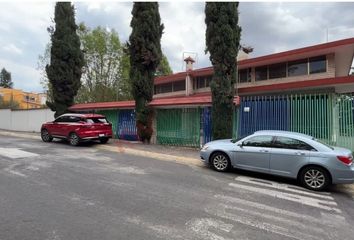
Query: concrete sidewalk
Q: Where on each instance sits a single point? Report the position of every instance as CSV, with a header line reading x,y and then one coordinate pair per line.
x,y
183,155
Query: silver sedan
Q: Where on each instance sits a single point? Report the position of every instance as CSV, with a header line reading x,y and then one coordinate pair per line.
x,y
289,154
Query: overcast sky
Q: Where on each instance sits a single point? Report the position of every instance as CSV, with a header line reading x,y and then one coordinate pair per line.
x,y
267,27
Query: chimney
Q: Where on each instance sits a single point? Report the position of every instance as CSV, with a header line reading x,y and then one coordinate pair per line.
x,y
189,63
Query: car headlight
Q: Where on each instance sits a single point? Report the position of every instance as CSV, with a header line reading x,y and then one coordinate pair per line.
x,y
204,148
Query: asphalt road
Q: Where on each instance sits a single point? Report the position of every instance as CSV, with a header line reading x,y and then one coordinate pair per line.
x,y
55,191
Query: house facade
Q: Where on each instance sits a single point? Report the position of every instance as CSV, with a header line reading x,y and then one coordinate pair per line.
x,y
308,90
325,66
22,100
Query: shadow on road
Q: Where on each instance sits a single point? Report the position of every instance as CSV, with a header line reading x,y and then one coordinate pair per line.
x,y
82,144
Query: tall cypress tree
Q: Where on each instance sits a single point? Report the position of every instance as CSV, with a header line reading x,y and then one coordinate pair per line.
x,y
5,79
222,41
66,59
145,55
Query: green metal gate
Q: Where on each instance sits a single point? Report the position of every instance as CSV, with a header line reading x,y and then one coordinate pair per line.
x,y
112,117
180,127
312,114
344,123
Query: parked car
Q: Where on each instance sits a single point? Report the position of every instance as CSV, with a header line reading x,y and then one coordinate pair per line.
x,y
77,128
316,165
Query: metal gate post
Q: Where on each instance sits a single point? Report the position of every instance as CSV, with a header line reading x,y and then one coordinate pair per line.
x,y
335,118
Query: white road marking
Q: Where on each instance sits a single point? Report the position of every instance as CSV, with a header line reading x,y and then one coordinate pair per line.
x,y
201,226
279,211
129,170
222,211
164,232
16,153
280,186
290,197
11,170
260,215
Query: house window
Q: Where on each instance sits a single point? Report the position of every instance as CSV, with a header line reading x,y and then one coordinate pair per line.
x,y
163,88
179,86
261,73
170,87
318,64
244,75
208,81
297,68
277,70
202,82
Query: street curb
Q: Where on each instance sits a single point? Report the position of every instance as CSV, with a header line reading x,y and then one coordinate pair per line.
x,y
121,149
159,156
15,134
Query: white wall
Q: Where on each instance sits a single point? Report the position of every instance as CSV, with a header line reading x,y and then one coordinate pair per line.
x,y
24,120
5,119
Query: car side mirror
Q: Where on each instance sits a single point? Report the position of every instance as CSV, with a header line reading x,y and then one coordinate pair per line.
x,y
240,144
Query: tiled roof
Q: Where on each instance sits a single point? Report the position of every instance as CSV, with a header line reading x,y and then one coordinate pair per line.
x,y
197,99
102,105
263,60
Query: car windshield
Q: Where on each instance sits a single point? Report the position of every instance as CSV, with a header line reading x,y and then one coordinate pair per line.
x,y
330,147
96,120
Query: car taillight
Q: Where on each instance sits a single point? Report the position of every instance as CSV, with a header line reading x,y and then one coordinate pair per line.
x,y
346,160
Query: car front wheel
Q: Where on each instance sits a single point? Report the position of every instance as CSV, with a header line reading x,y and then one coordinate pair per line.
x,y
46,137
220,162
74,139
315,178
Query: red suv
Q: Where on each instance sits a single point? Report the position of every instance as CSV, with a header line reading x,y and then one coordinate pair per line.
x,y
77,128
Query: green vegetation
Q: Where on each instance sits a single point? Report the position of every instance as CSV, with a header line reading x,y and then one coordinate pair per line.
x,y
66,59
5,79
222,41
145,56
42,62
105,76
164,67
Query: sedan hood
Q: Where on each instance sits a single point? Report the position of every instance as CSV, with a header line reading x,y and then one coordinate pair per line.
x,y
222,141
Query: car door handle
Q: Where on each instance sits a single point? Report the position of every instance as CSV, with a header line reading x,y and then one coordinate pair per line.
x,y
300,153
264,150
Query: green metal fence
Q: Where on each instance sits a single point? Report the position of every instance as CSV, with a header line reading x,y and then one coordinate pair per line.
x,y
344,121
112,116
180,127
235,125
312,114
326,116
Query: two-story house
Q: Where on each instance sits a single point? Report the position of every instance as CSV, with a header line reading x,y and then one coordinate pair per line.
x,y
323,67
308,90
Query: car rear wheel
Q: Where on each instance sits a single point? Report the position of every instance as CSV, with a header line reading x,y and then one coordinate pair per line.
x,y
315,178
104,140
74,139
46,137
220,162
